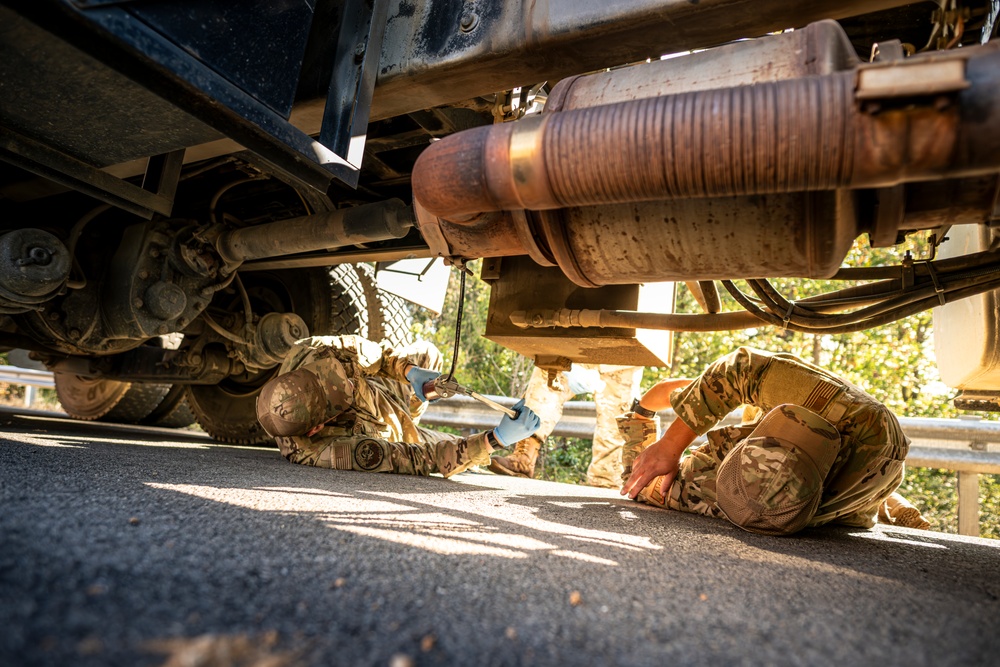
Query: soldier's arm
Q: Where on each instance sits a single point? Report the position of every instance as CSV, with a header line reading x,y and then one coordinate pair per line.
x,y
726,384
367,356
658,396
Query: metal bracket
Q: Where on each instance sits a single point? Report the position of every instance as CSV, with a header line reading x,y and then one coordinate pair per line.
x,y
909,78
155,196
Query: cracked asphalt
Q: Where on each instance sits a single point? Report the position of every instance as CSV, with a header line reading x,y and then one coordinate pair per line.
x,y
143,546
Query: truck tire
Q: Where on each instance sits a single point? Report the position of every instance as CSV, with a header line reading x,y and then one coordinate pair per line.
x,y
172,412
375,314
106,400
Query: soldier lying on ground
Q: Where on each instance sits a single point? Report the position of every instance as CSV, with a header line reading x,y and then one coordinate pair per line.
x,y
813,448
348,403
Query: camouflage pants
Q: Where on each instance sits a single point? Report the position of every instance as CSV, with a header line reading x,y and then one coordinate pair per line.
x,y
436,453
621,386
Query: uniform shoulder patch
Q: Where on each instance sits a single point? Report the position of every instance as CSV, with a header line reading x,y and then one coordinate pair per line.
x,y
821,395
368,454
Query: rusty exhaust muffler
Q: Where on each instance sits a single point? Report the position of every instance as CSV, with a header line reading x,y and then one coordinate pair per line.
x,y
632,191
857,129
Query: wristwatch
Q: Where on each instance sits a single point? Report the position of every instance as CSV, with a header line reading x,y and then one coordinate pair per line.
x,y
493,440
641,411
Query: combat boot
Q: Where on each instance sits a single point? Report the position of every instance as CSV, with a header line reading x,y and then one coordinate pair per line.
x,y
521,463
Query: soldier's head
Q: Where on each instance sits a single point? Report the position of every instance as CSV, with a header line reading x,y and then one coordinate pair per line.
x,y
301,401
772,481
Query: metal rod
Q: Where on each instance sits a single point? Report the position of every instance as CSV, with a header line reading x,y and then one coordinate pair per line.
x,y
340,257
627,319
493,404
380,221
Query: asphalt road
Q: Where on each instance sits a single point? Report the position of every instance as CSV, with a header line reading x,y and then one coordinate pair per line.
x,y
129,546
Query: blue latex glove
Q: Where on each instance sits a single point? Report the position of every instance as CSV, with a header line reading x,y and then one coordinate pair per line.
x,y
512,430
584,380
418,377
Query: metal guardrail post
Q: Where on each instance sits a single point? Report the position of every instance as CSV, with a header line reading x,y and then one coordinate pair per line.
x,y
968,503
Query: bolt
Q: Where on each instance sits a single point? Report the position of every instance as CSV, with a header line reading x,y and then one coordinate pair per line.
x,y
359,52
162,329
74,334
536,319
154,253
137,303
37,255
181,321
469,21
196,359
54,316
144,274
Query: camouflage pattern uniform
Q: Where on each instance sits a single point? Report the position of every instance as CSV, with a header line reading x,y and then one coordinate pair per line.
x,y
380,431
621,386
868,466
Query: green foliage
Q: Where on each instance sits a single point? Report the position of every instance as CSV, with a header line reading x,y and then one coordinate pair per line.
x,y
564,460
893,362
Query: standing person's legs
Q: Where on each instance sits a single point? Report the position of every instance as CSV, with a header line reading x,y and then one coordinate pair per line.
x,y
548,405
621,385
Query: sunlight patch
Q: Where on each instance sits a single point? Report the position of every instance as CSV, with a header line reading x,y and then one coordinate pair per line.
x,y
268,500
434,544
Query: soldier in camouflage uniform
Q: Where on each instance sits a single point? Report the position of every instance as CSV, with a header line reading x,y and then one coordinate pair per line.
x,y
621,384
812,449
348,403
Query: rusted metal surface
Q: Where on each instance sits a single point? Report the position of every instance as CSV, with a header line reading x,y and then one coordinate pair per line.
x,y
334,258
380,221
588,318
798,234
523,285
642,190
706,294
820,48
791,235
801,134
429,60
950,202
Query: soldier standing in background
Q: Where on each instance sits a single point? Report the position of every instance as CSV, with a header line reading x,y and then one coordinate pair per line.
x,y
612,395
348,403
812,449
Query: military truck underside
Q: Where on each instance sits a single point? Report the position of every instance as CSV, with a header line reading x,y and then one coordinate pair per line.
x,y
187,189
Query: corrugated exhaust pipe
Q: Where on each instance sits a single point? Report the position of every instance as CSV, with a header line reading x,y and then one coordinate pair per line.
x,y
926,117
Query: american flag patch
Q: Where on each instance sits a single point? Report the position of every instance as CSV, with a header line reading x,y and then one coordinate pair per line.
x,y
821,395
341,457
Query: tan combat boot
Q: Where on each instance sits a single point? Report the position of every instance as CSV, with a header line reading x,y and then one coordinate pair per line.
x,y
521,463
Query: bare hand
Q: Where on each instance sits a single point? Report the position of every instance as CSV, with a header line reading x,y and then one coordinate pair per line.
x,y
658,459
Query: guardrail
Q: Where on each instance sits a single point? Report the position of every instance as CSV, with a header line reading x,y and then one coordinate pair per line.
x,y
31,379
961,445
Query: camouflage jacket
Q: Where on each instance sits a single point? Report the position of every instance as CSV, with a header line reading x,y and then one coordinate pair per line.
x,y
869,463
380,432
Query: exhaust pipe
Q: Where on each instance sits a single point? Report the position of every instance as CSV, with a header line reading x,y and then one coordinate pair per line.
x,y
927,117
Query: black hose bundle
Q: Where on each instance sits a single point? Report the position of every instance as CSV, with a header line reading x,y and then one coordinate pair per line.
x,y
935,284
